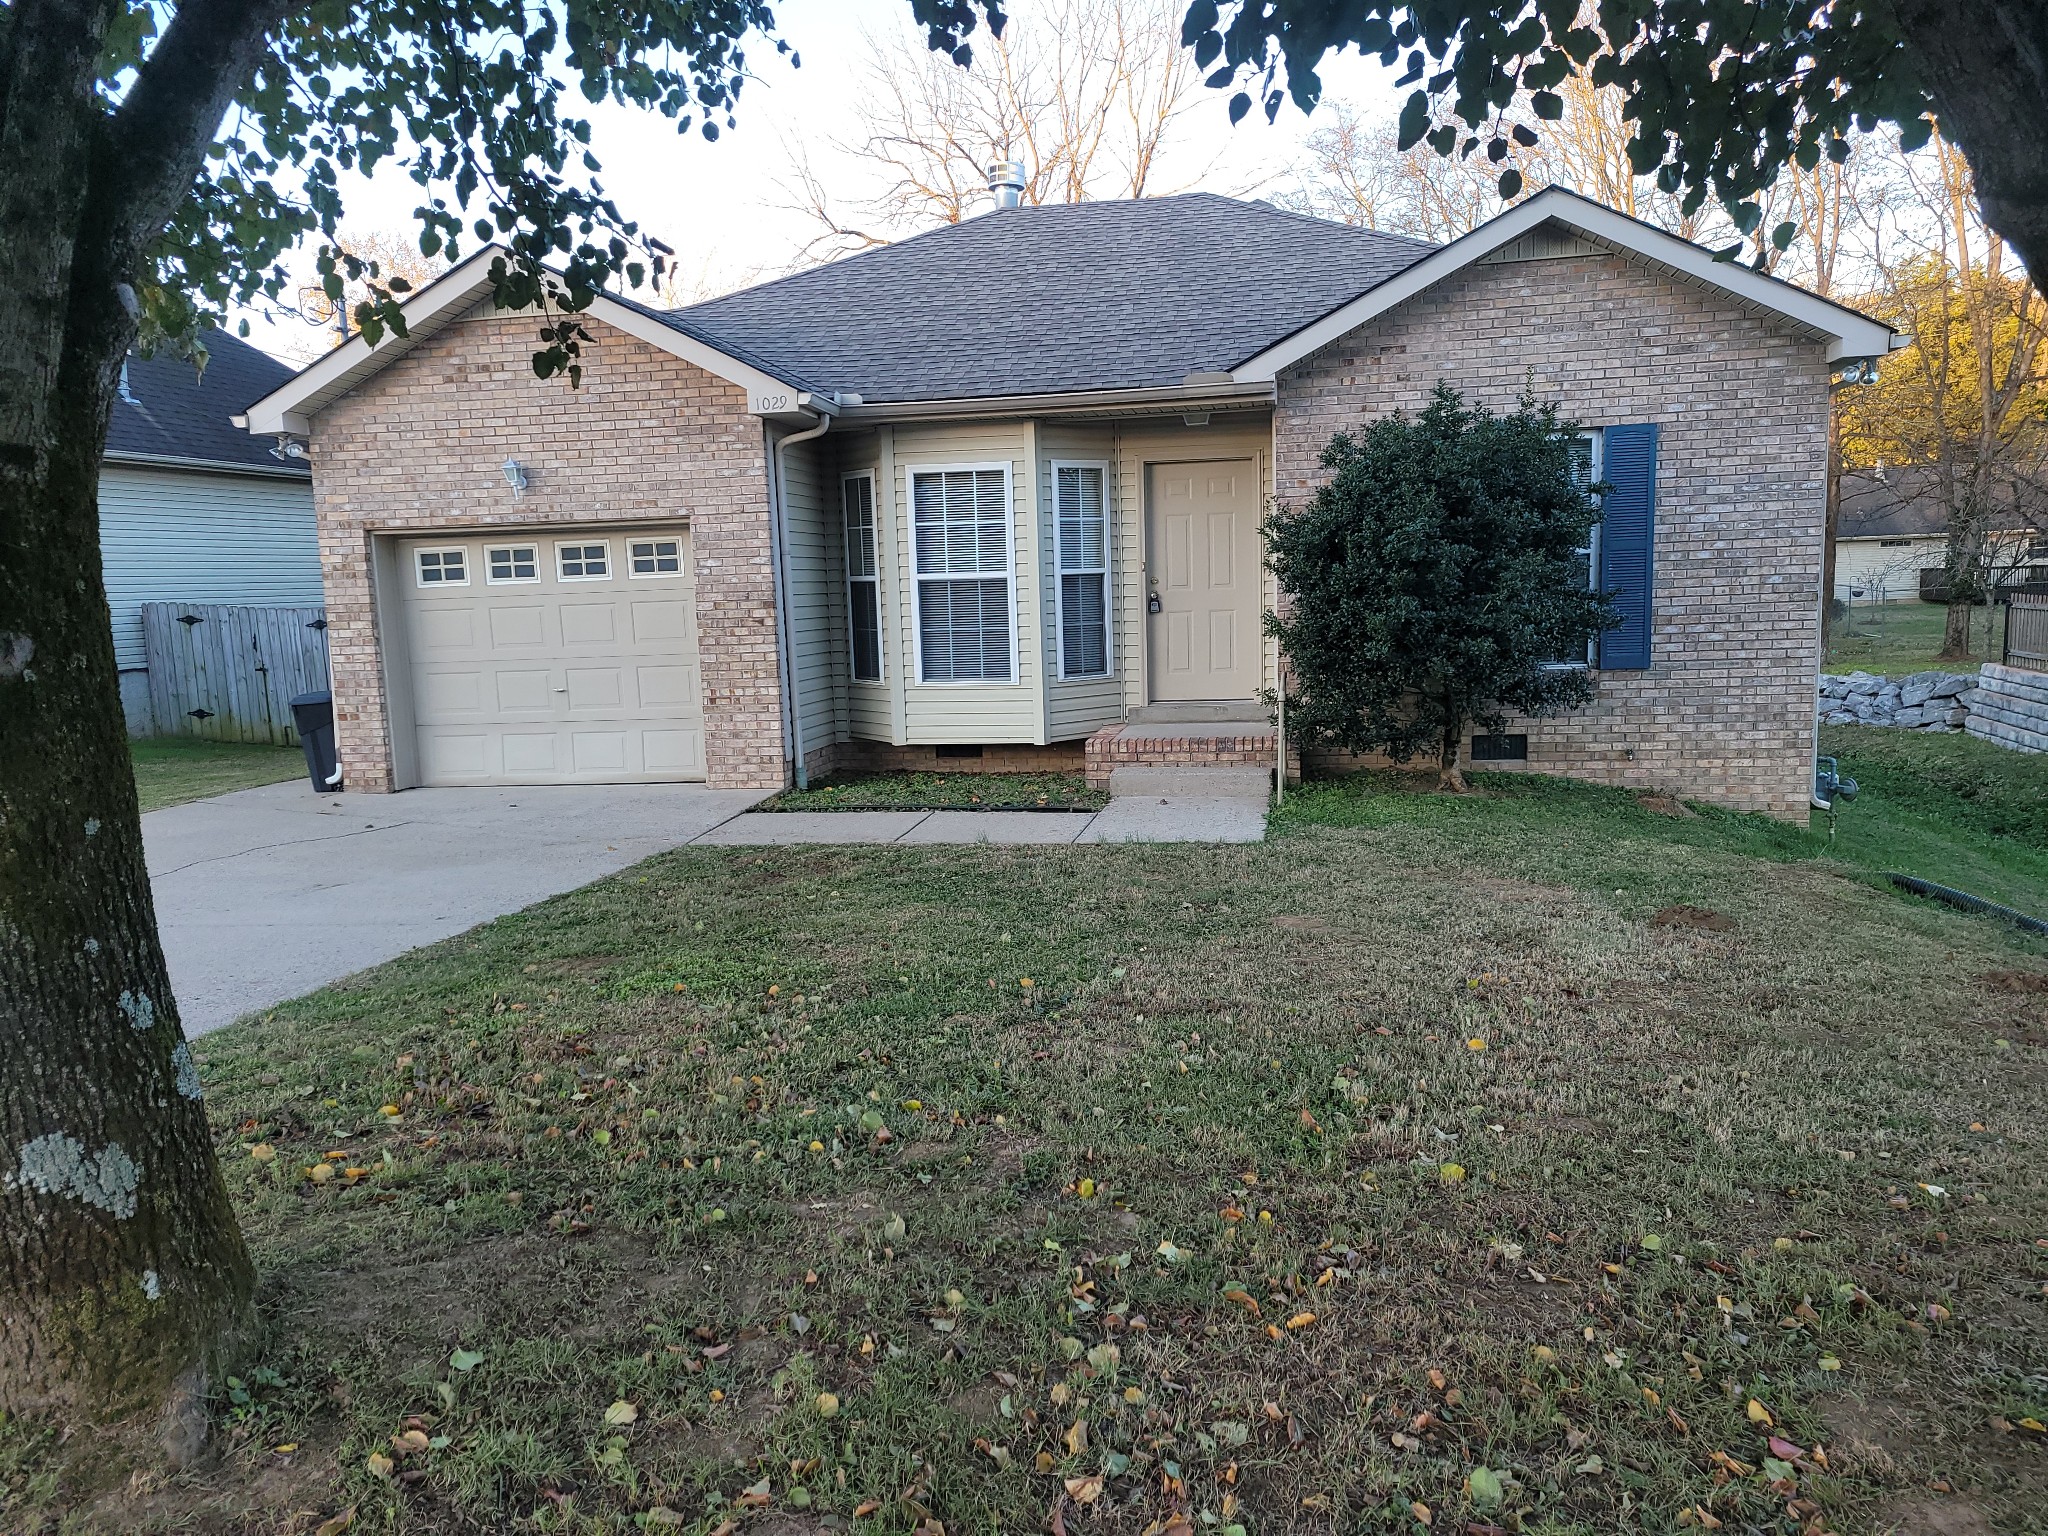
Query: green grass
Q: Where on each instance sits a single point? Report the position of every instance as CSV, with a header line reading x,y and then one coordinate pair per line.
x,y
1951,809
1227,1183
1894,639
944,791
170,770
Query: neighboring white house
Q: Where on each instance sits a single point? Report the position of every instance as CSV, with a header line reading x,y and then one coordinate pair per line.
x,y
1892,529
193,509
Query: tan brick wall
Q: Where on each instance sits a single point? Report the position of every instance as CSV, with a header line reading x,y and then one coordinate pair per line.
x,y
421,446
1725,711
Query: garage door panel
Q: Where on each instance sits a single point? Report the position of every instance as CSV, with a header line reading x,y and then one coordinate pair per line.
x,y
590,624
655,622
593,681
454,756
529,754
598,751
666,688
441,628
443,693
517,628
594,688
680,753
525,691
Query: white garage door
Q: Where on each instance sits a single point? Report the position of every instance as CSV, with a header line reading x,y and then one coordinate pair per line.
x,y
559,656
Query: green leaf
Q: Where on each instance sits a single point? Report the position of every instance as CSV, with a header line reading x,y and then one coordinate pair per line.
x,y
465,1360
1487,1492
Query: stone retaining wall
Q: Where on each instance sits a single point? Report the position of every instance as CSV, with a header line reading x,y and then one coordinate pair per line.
x,y
1926,701
2010,707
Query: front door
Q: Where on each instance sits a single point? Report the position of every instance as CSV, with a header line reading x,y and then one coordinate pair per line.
x,y
1202,580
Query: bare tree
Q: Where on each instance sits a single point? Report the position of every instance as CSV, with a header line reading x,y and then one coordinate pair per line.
x,y
365,260
1358,173
1967,400
1088,95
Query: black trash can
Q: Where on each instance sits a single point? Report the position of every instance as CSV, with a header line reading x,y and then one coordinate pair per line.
x,y
313,715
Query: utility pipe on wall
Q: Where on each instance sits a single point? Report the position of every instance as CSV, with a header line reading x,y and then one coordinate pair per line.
x,y
785,624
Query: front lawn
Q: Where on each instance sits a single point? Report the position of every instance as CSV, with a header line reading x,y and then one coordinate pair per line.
x,y
169,770
1532,1162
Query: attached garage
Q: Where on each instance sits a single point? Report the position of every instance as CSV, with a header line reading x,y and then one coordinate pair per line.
x,y
548,655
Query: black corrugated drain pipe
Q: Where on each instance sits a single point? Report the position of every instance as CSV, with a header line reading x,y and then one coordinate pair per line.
x,y
1965,901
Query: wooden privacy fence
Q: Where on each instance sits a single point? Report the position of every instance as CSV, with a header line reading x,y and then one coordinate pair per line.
x,y
229,673
2026,630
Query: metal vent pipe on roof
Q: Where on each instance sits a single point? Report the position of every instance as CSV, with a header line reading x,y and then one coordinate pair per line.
x,y
1006,182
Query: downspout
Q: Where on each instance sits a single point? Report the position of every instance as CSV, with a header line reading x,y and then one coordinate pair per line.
x,y
778,523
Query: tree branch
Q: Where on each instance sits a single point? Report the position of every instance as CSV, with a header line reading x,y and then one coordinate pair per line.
x,y
159,135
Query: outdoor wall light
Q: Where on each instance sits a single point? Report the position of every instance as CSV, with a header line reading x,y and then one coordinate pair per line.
x,y
515,476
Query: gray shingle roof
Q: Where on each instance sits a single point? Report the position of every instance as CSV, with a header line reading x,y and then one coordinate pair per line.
x,y
1081,296
176,413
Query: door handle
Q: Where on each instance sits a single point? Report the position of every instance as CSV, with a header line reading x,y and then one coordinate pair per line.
x,y
1152,603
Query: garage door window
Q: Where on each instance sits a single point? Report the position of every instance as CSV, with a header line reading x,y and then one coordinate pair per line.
x,y
442,567
655,557
511,564
583,562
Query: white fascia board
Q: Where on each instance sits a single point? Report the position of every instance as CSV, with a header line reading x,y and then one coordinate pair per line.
x,y
1849,334
766,394
290,408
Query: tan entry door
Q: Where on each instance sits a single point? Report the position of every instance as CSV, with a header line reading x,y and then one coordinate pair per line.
x,y
554,656
1202,578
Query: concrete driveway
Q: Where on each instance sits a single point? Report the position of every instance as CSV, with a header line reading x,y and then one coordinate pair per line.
x,y
268,893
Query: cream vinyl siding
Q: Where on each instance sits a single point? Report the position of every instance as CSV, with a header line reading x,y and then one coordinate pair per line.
x,y
1078,707
817,591
173,536
968,712
1238,435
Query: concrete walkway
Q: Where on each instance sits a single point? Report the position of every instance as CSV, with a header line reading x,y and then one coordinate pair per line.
x,y
265,894
1126,819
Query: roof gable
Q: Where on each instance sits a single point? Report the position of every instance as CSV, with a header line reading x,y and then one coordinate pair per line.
x,y
290,407
1848,333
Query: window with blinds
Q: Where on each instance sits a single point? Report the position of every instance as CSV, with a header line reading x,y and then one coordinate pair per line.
x,y
863,579
1586,468
1081,519
960,527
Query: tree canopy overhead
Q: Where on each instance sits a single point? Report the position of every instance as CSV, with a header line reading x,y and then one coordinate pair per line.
x,y
483,103
1723,93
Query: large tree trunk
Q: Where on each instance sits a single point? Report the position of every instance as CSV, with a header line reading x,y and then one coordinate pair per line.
x,y
1985,62
123,1276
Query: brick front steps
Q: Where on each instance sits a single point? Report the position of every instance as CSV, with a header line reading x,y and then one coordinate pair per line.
x,y
1230,744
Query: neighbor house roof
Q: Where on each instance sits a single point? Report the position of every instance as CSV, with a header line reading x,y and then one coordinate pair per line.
x,y
1905,503
169,412
1056,299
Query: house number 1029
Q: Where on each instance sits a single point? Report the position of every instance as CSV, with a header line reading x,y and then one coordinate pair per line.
x,y
772,403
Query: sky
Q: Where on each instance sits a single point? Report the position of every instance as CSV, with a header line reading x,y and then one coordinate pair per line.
x,y
719,205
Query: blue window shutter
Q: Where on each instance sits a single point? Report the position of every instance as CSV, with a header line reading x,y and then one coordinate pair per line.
x,y
1628,538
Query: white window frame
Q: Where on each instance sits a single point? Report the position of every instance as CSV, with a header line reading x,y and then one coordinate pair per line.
x,y
512,581
609,568
419,581
1595,469
918,579
682,563
1107,571
881,614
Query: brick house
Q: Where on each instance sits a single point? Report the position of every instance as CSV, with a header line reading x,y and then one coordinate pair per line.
x,y
991,498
